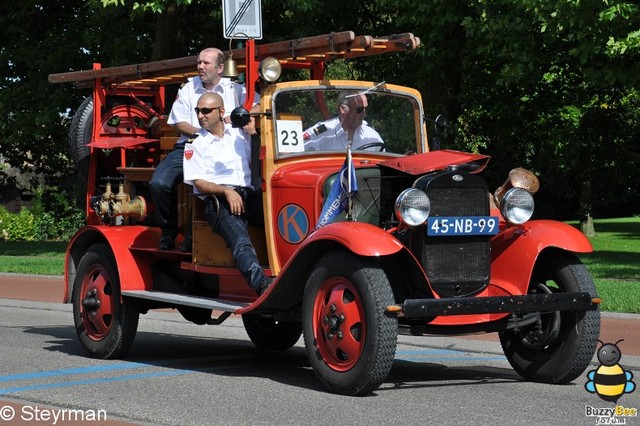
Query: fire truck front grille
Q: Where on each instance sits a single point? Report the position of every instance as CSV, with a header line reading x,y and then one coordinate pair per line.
x,y
457,265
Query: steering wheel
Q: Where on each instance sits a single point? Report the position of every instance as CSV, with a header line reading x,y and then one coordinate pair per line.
x,y
371,145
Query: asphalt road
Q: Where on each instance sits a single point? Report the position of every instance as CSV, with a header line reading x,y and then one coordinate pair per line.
x,y
178,373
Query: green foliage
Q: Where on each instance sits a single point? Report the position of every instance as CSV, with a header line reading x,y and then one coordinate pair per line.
x,y
158,6
17,227
40,38
542,90
544,84
36,224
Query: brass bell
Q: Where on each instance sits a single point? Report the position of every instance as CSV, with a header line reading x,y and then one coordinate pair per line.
x,y
230,69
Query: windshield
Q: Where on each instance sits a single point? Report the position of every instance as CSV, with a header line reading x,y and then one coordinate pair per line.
x,y
319,120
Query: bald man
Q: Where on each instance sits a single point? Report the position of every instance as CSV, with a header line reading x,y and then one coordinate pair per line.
x,y
216,163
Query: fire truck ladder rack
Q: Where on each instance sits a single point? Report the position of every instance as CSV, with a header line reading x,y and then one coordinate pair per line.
x,y
298,53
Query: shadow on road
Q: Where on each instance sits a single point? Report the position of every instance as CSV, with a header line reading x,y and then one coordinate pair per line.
x,y
239,358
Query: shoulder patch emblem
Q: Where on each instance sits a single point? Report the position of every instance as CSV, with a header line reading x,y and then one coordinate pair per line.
x,y
188,153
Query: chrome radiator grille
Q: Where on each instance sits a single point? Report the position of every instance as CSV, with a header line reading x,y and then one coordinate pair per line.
x,y
457,266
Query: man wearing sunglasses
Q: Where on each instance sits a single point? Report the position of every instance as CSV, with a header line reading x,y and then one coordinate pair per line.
x,y
348,125
168,173
216,163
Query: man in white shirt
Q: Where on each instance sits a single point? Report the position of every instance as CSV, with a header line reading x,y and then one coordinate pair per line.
x,y
349,125
168,173
216,163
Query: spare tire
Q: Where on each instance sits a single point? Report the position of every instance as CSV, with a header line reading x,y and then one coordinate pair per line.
x,y
80,136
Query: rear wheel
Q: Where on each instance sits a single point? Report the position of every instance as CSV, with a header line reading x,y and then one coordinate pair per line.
x,y
105,323
350,341
560,346
267,333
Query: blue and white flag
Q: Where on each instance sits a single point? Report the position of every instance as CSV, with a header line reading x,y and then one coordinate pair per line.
x,y
342,190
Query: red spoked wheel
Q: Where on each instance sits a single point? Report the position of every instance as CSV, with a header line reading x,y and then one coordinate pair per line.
x,y
105,324
96,308
349,338
339,323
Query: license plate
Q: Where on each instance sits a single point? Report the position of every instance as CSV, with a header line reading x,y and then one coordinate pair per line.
x,y
451,226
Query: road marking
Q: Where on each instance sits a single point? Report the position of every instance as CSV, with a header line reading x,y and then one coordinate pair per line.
x,y
444,355
424,355
92,381
64,373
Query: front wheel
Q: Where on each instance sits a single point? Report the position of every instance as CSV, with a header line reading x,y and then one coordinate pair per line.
x,y
350,341
106,325
560,346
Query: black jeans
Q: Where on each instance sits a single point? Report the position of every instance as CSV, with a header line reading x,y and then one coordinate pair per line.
x,y
233,230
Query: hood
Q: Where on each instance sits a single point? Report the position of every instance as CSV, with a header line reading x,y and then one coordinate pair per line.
x,y
419,164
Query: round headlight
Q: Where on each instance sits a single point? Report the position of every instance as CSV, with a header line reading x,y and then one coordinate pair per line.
x,y
270,69
412,207
517,206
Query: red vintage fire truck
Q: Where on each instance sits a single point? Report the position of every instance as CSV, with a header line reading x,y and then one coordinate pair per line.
x,y
425,247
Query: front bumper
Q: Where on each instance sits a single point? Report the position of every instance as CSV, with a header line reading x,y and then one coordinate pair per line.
x,y
430,308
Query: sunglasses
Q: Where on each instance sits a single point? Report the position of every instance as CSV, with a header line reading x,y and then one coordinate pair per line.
x,y
360,109
205,111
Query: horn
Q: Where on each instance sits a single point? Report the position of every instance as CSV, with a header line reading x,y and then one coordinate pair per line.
x,y
518,178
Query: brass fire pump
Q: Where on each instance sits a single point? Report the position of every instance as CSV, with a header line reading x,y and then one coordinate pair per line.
x,y
119,208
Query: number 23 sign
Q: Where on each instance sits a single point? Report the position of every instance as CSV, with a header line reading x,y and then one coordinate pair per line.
x,y
290,136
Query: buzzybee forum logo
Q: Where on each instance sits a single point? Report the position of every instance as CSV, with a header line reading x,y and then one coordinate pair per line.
x,y
610,381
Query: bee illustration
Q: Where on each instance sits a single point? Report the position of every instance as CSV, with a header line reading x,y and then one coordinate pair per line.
x,y
609,380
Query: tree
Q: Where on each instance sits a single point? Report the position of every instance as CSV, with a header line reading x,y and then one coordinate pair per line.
x,y
552,86
39,38
555,75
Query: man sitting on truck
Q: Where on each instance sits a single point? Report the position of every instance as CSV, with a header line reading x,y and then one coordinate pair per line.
x,y
168,173
348,125
216,163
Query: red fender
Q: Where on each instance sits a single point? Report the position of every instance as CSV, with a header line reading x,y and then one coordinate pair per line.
x,y
361,238
514,251
133,271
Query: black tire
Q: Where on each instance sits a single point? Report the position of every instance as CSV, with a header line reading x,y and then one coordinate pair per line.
x,y
106,326
560,347
350,340
269,334
80,135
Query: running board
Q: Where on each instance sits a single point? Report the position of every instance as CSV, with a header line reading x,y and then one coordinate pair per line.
x,y
185,300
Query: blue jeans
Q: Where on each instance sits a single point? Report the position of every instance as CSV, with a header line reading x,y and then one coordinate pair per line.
x,y
233,230
166,176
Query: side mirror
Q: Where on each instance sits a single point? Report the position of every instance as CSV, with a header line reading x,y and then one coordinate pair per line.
x,y
441,124
240,117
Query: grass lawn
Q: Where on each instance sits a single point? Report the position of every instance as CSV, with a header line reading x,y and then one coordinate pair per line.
x,y
32,257
614,264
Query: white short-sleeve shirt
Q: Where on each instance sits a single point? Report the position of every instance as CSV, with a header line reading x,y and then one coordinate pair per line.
x,y
224,161
183,109
335,138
